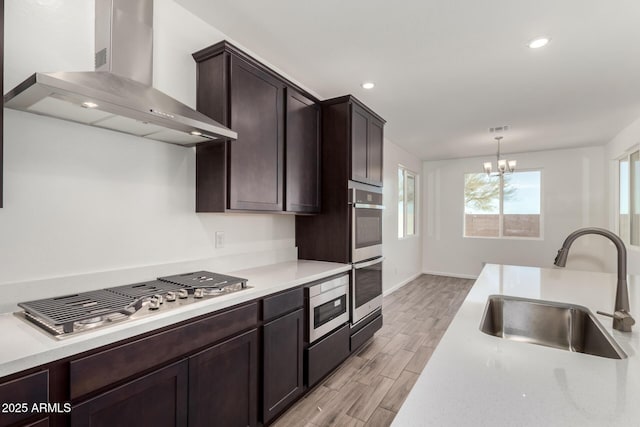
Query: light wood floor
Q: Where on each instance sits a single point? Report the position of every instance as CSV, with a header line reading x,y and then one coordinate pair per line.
x,y
370,386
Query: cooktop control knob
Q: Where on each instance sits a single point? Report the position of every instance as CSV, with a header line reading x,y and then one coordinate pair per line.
x,y
199,293
159,298
154,304
170,296
182,293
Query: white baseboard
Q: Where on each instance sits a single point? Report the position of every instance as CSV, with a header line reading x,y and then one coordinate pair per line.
x,y
459,276
401,284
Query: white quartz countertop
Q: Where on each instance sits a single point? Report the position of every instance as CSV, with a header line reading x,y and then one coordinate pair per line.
x,y
474,379
26,346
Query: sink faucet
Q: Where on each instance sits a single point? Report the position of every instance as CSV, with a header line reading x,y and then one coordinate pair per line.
x,y
622,320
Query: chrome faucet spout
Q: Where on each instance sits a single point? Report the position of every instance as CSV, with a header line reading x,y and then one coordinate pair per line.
x,y
622,319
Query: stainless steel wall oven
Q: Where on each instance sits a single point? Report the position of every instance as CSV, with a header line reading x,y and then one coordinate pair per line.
x,y
366,224
366,289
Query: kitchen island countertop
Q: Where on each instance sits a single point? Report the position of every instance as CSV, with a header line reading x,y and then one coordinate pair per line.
x,y
26,346
474,379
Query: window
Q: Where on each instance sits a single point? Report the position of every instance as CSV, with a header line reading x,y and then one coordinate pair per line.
x,y
406,202
629,200
502,206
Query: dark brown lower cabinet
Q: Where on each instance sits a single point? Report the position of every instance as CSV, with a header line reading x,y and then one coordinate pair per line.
x,y
27,390
157,399
214,370
325,355
223,383
282,363
42,423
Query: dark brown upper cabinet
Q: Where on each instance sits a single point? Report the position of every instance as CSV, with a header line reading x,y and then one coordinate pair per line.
x,y
374,152
352,143
302,153
269,113
366,140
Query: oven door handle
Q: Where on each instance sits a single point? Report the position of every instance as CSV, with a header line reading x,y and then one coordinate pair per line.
x,y
368,263
365,206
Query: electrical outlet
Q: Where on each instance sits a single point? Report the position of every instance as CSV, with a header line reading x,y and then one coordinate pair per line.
x,y
219,239
499,129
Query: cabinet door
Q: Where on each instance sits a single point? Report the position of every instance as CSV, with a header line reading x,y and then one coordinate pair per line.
x,y
41,423
302,153
158,399
223,383
282,363
374,152
29,389
256,158
359,137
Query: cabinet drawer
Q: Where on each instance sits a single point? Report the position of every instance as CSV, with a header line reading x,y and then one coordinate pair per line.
x,y
30,389
364,334
324,356
282,303
93,372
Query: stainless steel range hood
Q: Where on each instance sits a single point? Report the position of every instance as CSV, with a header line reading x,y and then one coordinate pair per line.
x,y
118,95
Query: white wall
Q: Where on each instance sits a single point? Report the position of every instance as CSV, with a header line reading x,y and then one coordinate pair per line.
x,y
628,139
574,196
403,257
80,199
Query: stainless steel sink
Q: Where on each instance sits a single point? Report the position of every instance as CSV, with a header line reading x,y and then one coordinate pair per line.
x,y
565,326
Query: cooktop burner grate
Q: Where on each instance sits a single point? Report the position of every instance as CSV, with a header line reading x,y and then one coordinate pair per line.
x,y
205,280
146,289
68,309
70,314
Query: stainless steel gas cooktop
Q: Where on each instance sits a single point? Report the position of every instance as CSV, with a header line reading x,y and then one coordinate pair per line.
x,y
69,315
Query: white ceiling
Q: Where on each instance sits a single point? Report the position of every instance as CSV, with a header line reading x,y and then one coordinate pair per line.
x,y
446,70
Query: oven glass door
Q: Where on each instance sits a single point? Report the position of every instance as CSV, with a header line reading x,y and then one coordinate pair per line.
x,y
368,227
328,311
367,288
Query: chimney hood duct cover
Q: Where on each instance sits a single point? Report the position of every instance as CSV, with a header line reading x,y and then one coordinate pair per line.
x,y
118,95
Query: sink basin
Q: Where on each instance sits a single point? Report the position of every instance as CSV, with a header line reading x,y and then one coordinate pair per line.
x,y
565,326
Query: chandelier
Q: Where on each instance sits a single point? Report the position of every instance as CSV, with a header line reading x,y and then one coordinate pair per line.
x,y
504,166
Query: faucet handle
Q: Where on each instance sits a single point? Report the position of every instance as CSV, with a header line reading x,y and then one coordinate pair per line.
x,y
625,318
622,319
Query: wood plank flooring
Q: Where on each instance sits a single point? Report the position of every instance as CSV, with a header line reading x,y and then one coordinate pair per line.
x,y
370,386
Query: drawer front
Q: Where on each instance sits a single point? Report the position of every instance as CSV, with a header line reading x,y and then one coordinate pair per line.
x,y
364,334
93,372
30,389
282,303
325,355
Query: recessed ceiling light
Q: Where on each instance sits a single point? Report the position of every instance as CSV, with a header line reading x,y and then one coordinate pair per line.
x,y
539,42
195,133
89,104
368,85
